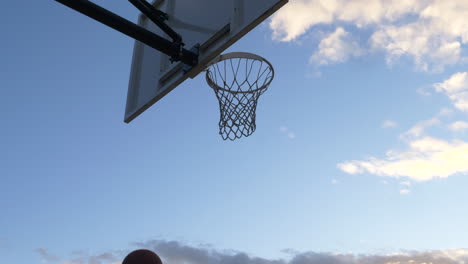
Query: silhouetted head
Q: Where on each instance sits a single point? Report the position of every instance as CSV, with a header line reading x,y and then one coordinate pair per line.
x,y
142,256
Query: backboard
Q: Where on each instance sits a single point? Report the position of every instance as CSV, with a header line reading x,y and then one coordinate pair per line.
x,y
210,25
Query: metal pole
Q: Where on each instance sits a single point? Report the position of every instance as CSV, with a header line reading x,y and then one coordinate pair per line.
x,y
154,14
132,30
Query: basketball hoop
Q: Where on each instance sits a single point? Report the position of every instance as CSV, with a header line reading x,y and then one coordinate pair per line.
x,y
238,79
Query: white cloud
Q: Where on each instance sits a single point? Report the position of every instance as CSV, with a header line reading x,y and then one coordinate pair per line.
x,y
336,47
290,134
298,16
350,168
458,126
456,88
425,159
430,32
419,41
424,91
405,183
405,191
444,112
334,181
389,124
420,127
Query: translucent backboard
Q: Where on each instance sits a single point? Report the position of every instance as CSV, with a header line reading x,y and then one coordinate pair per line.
x,y
210,25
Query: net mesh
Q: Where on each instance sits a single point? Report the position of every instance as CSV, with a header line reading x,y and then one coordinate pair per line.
x,y
238,82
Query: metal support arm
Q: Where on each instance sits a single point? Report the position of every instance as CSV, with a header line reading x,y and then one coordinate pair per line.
x,y
158,17
132,30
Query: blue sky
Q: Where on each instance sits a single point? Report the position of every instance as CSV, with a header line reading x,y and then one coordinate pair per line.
x,y
361,144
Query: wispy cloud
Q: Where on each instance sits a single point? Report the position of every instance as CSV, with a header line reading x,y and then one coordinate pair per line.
x,y
405,187
405,183
405,191
424,91
456,88
458,126
288,132
46,256
420,127
389,124
433,38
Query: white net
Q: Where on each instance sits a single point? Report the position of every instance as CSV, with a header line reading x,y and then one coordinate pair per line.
x,y
238,79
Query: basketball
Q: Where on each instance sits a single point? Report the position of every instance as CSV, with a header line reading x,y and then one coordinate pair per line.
x,y
142,256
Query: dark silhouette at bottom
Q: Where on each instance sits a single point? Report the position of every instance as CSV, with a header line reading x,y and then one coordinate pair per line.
x,y
142,256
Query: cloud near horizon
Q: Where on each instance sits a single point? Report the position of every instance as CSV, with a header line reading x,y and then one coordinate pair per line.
x,y
173,252
430,32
